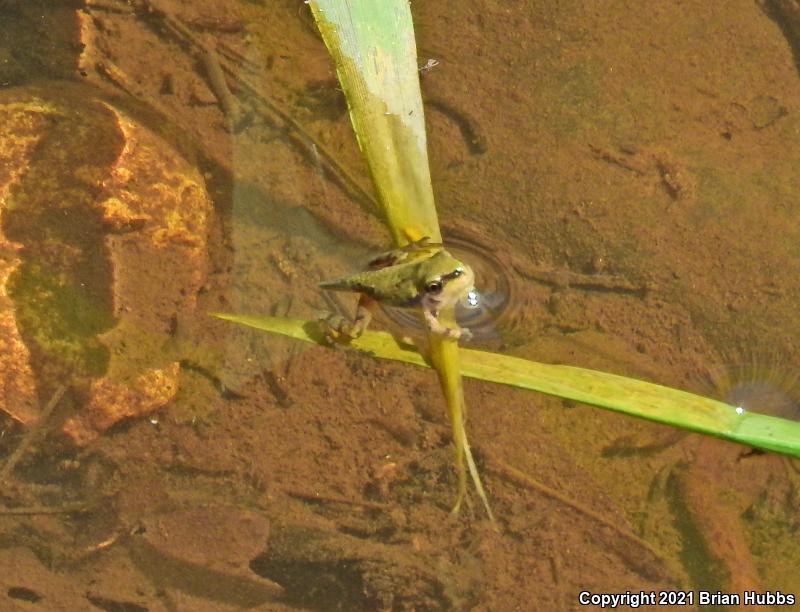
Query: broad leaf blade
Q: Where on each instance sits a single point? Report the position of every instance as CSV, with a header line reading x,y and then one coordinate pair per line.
x,y
372,44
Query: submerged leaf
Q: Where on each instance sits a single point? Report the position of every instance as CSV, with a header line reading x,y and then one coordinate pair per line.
x,y
372,45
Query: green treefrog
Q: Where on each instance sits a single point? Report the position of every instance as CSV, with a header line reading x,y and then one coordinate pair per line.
x,y
421,274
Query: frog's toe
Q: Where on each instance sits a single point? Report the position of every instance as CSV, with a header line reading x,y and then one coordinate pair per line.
x,y
460,334
338,329
331,325
457,333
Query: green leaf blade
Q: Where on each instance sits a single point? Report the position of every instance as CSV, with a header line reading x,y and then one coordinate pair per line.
x,y
609,391
373,47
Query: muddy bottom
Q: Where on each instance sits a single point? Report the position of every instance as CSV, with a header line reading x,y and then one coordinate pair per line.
x,y
630,176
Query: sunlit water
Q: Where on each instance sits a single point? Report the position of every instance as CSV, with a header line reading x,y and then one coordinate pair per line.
x,y
633,176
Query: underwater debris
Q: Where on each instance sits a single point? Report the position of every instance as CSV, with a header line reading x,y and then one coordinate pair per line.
x,y
658,165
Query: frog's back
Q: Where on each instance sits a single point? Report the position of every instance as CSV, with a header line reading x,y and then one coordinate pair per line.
x,y
387,285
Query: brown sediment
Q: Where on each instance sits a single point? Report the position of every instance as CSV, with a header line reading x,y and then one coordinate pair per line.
x,y
655,565
614,271
719,528
31,436
333,499
787,14
314,152
471,130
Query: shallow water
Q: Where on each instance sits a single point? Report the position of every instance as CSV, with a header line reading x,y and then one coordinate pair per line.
x,y
628,174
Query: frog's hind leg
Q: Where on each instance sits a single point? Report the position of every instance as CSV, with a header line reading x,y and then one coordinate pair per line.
x,y
364,311
339,329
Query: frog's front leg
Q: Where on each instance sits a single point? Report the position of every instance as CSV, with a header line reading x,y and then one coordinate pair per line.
x,y
435,326
339,329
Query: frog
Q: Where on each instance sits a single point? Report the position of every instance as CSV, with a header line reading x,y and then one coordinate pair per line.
x,y
422,274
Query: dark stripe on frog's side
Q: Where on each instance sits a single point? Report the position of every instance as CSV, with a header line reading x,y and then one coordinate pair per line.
x,y
454,274
398,256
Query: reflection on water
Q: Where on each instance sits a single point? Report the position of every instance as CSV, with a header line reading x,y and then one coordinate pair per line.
x,y
759,383
631,201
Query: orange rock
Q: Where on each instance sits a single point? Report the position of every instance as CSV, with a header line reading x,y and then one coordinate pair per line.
x,y
111,401
144,242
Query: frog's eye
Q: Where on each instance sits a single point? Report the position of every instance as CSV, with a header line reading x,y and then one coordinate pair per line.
x,y
435,286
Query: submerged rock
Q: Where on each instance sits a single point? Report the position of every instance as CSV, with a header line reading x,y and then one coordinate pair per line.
x,y
206,552
103,233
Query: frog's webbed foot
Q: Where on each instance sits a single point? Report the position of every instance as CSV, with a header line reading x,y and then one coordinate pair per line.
x,y
435,326
464,334
458,333
339,329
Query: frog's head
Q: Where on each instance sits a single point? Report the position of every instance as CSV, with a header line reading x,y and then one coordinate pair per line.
x,y
446,280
